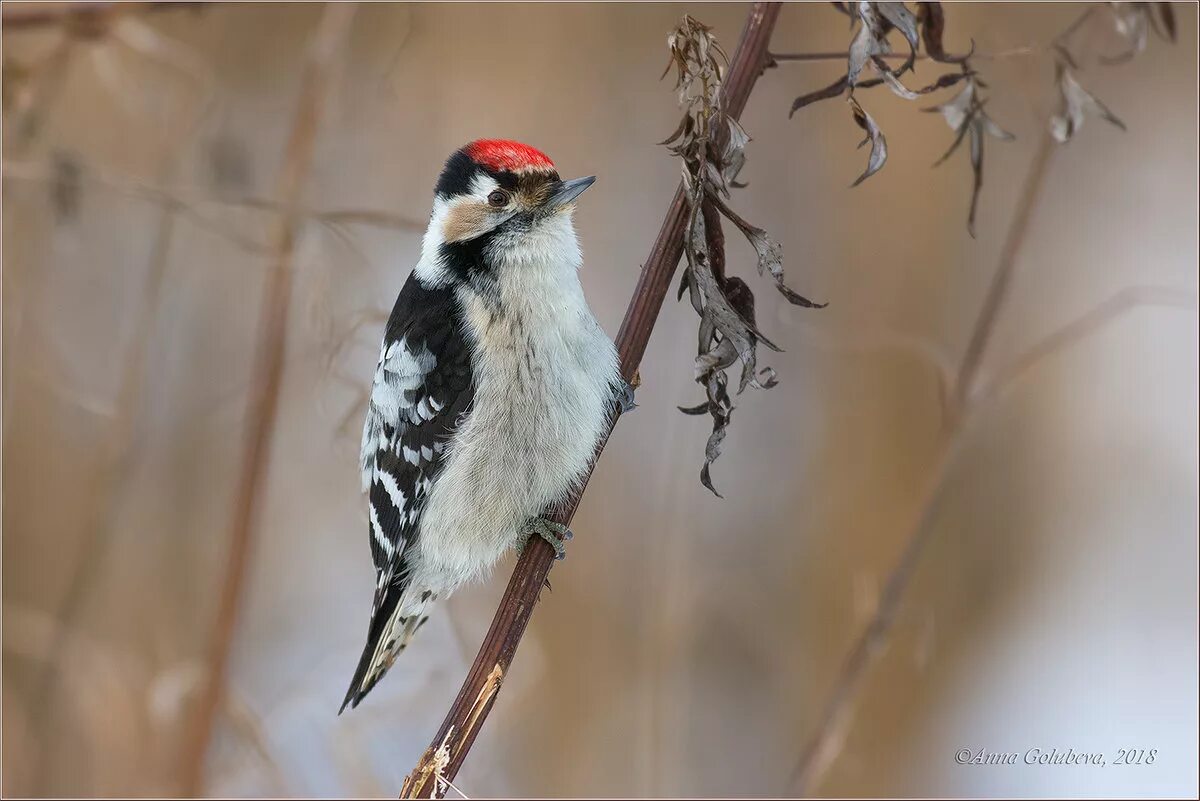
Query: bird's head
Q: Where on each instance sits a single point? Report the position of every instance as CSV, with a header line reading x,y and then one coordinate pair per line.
x,y
500,202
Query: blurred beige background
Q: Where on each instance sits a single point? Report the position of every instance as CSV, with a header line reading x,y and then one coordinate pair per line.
x,y
689,642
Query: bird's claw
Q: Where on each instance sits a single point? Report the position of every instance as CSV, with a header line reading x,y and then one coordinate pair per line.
x,y
626,398
554,533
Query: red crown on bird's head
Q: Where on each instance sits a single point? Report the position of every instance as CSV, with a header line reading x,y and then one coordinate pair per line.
x,y
501,155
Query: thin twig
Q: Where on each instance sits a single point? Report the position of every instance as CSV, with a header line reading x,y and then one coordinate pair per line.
x,y
997,294
188,200
1066,34
840,55
441,761
834,55
1123,301
834,723
267,373
41,15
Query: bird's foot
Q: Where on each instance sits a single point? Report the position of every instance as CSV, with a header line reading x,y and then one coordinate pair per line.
x,y
554,533
625,394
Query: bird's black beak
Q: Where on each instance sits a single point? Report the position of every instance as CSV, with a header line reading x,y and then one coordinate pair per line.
x,y
566,191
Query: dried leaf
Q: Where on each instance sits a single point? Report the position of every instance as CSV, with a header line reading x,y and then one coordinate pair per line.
x,y
683,285
844,8
875,136
715,178
956,109
1077,103
965,114
717,309
1132,23
990,127
959,136
734,157
977,173
711,374
871,40
720,357
726,330
833,90
946,81
898,88
933,25
862,47
683,126
1168,19
770,258
899,15
711,451
893,82
694,410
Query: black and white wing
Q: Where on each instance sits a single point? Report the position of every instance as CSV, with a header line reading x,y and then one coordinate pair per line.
x,y
422,389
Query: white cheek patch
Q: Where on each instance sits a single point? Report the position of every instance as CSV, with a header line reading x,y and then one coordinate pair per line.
x,y
463,216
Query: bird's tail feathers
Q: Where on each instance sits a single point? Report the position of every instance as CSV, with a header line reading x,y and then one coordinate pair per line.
x,y
396,618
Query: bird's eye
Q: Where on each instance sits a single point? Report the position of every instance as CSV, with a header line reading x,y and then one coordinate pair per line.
x,y
498,198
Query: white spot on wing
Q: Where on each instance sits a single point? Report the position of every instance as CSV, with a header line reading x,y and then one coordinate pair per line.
x,y
380,537
400,369
393,489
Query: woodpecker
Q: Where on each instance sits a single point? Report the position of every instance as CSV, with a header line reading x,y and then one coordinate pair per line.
x,y
492,390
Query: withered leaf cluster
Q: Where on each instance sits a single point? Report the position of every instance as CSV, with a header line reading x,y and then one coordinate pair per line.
x,y
1131,23
872,24
867,66
1076,103
965,115
711,147
1133,20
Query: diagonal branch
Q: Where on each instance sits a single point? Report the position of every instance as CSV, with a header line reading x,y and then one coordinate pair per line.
x,y
441,761
836,717
267,374
997,294
1088,323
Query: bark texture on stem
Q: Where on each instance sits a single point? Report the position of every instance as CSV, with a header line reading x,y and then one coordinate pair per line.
x,y
267,373
441,761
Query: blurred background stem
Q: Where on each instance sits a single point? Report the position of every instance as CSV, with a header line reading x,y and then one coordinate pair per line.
x,y
836,718
267,374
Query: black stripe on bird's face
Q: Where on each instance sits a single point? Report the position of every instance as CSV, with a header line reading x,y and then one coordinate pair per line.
x,y
472,224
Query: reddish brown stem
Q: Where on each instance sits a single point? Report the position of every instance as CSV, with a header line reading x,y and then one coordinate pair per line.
x,y
441,761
